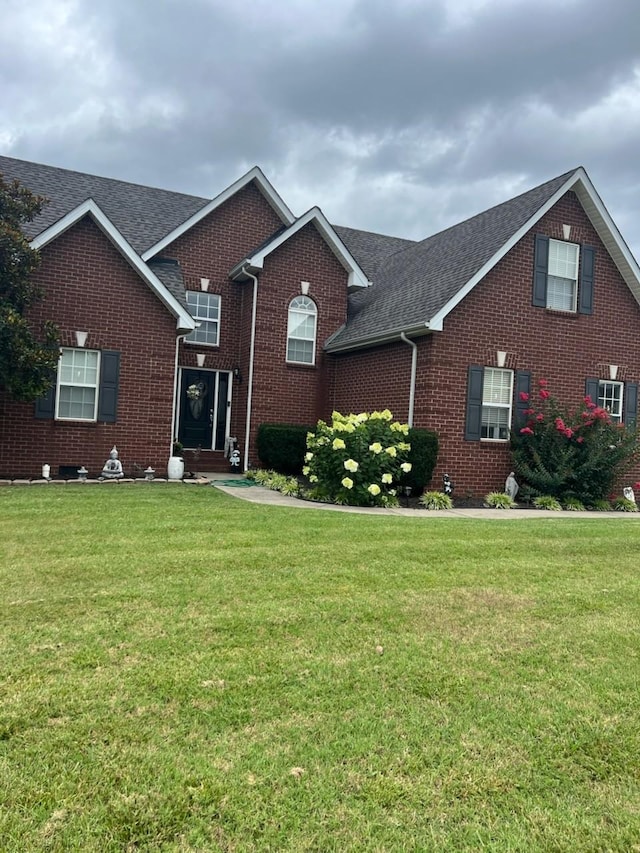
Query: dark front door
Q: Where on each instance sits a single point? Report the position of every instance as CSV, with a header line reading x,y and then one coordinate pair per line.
x,y
203,409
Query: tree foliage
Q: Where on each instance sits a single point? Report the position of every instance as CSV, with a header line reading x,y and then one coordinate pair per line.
x,y
27,356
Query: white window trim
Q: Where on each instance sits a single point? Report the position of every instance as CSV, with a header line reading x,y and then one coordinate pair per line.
x,y
491,404
310,313
60,384
574,308
618,417
200,320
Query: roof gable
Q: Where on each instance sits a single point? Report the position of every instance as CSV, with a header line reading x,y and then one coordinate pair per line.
x,y
184,321
257,176
255,261
415,289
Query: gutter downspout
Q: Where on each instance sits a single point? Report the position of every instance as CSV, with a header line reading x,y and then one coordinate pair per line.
x,y
414,370
254,312
175,391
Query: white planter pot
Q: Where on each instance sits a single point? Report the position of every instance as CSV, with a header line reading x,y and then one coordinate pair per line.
x,y
175,468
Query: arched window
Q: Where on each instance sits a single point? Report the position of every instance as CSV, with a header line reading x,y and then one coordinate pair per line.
x,y
301,332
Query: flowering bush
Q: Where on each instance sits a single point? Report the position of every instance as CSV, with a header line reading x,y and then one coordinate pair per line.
x,y
358,459
570,454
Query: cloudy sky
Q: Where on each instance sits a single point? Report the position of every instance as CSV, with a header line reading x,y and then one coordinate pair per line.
x,y
398,116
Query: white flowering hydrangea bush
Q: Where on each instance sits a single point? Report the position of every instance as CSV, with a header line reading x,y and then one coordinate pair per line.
x,y
357,459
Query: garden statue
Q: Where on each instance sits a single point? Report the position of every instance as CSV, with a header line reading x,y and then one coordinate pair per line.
x,y
448,485
112,467
511,487
629,494
234,460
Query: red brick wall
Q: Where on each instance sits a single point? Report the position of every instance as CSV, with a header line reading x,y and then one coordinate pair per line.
x,y
90,287
498,315
285,392
210,250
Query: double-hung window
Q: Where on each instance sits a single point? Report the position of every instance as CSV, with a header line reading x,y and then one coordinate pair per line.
x,y
205,310
610,398
497,394
562,278
77,391
301,330
563,275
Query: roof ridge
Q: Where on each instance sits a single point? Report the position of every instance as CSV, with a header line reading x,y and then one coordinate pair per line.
x,y
376,233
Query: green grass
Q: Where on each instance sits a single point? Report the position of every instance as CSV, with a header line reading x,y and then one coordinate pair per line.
x,y
185,671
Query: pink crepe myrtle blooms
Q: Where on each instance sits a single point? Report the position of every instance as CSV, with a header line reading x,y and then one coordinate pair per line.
x,y
542,383
526,431
529,412
580,439
560,425
589,402
568,432
544,394
540,418
636,487
524,396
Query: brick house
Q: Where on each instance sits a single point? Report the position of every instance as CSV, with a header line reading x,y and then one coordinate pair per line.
x,y
202,318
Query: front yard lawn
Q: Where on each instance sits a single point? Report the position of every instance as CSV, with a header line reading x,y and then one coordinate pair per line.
x,y
185,671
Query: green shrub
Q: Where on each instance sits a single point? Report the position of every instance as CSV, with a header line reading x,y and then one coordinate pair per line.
x,y
358,460
547,502
276,482
573,505
436,500
601,506
570,454
625,505
499,500
281,447
422,456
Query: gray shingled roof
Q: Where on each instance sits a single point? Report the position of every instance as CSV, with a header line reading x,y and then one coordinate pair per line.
x,y
170,274
412,280
143,215
369,249
410,286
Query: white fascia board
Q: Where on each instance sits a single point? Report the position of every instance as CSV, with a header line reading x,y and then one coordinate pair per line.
x,y
185,322
357,278
256,174
608,232
580,183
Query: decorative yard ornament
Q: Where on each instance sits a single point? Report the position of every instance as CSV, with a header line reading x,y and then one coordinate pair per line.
x,y
447,484
629,494
112,467
511,487
234,460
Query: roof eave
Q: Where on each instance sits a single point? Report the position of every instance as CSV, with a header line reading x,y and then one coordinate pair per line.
x,y
386,337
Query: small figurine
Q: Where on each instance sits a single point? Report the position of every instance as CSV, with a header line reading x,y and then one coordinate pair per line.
x,y
448,485
234,459
112,467
511,487
629,494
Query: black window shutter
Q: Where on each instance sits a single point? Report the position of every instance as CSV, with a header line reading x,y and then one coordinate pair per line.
x,y
630,404
591,389
46,405
540,270
108,395
473,422
523,386
587,265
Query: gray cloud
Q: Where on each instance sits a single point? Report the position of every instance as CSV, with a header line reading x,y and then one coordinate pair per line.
x,y
399,117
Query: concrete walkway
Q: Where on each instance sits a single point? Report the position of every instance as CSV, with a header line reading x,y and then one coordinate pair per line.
x,y
261,495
